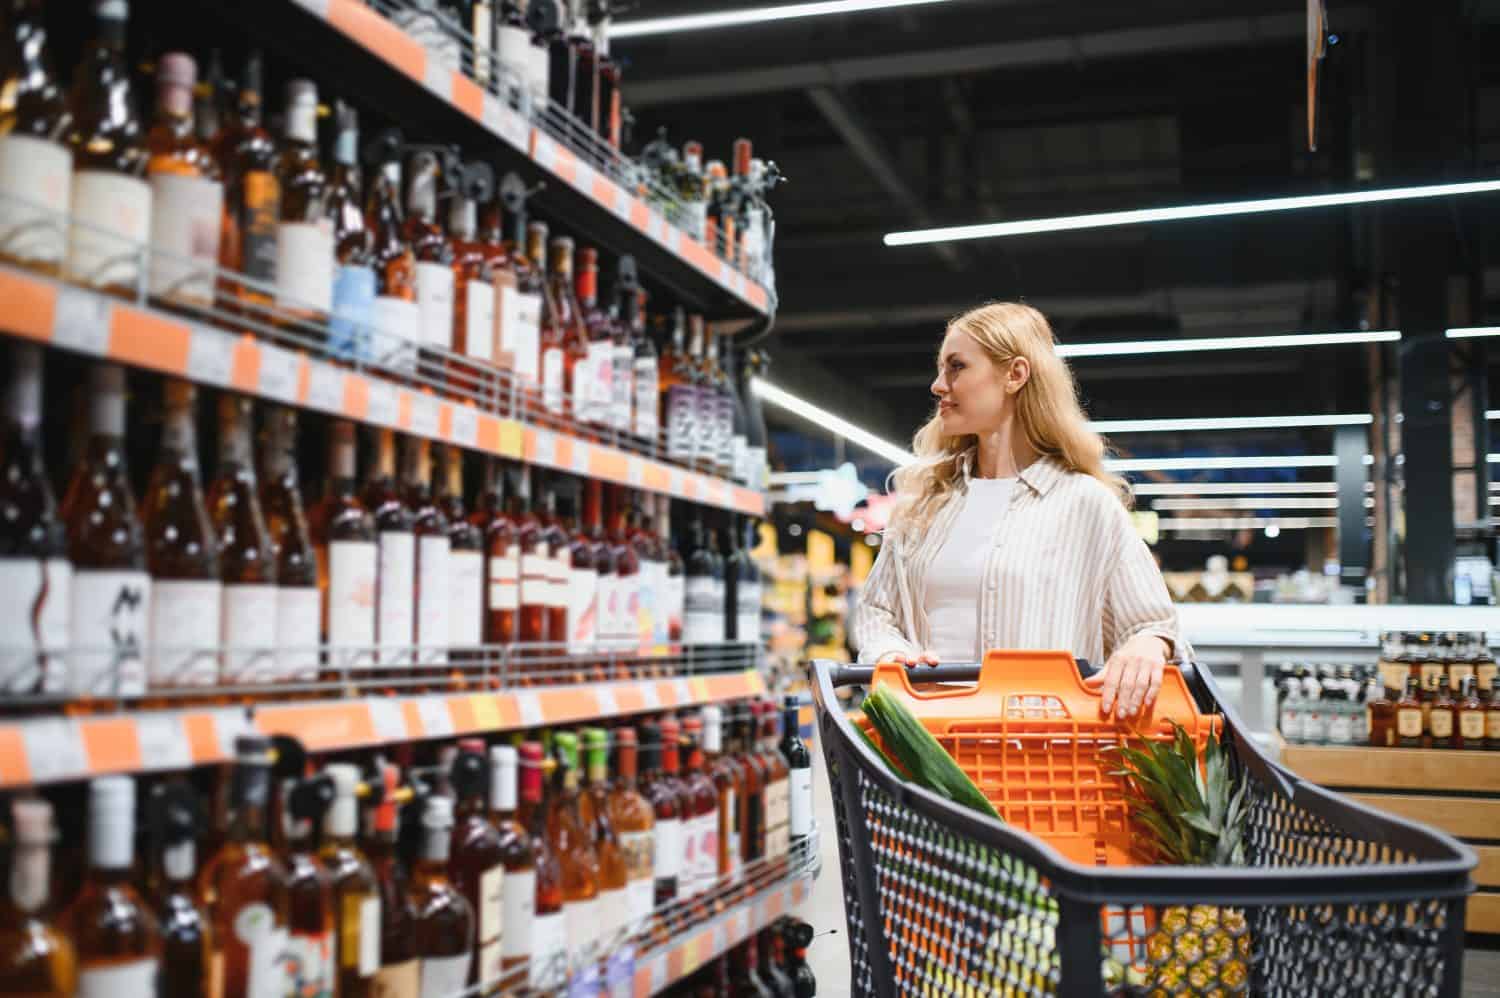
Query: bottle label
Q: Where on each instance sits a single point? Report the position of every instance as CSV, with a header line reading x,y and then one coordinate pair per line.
x,y
298,609
254,927
514,45
186,214
435,299
519,914
521,331
708,849
536,577
262,210
559,568
549,951
630,620
1341,729
349,327
799,802
36,179
553,388
729,836
434,588
351,603
248,629
34,616
465,599
118,210
1441,722
1492,725
682,417
703,618
1409,722
304,266
1431,673
638,851
1291,725
491,916
399,980
505,580
397,325
1484,675
778,817
669,848
644,417
597,388
583,609
676,591
622,388
539,75
309,965
359,938
445,976
479,321
584,918
613,915
107,622
184,632
1471,725
609,608
394,611
482,24
136,979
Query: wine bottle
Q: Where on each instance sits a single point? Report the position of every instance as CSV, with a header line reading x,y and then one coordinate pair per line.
x,y
614,903
433,548
593,373
396,320
37,956
347,556
674,587
396,571
729,782
400,973
701,829
298,607
703,614
355,889
187,197
246,558
645,364
36,166
465,563
444,923
117,938
309,959
667,811
353,277
572,844
247,157
583,578
476,859
304,234
544,937
502,560
799,772
434,260
635,825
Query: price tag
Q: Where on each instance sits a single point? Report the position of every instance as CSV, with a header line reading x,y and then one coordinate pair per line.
x,y
658,975
82,321
504,121
544,151
387,719
424,415
739,925
546,448
650,697
486,711
674,482
437,720
580,457
438,76
530,709
229,724
608,706
54,749
719,940
325,388
635,471
682,691
163,741
278,373
624,204
692,959
465,426
700,688
210,356
382,402
583,177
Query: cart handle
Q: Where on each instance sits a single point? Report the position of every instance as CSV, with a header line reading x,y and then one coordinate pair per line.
x,y
965,672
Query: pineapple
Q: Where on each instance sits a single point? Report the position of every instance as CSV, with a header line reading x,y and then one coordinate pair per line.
x,y
1192,816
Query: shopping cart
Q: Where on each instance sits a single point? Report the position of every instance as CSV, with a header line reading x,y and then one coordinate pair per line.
x,y
1337,899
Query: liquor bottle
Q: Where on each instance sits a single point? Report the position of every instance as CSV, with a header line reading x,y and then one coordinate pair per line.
x,y
465,561
778,783
396,579
675,586
1484,665
37,956
400,972
304,233
544,18
354,888
602,555
622,324
593,373
729,785
679,394
182,553
720,226
111,592
347,558
433,548
771,950
535,568
434,257
1492,721
518,859
512,51
309,958
667,810
481,25
735,570
703,612
502,558
476,863
353,277
396,319
721,448
34,570
474,332
187,197
799,772
109,157
1469,725
755,421
546,946
753,804
749,587
444,922
252,195
298,607
246,557
583,578
739,432
559,547
519,305
1380,716
744,968
701,827
1440,715
692,190
634,823
573,844
36,167
798,936
562,57
585,92
608,125
651,557
613,908
644,422
564,339
625,635
116,936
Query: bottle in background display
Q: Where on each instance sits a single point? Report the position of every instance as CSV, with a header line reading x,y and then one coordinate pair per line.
x,y
1380,717
736,574
396,319
354,888
518,882
36,167
559,547
679,394
476,862
703,613
753,804
594,372
572,844
772,953
187,197
564,338
755,421
778,782
309,957
434,258
547,943
562,57
729,784
34,570
543,17
396,581
347,557
520,306
535,568
635,826
304,234
182,552
798,936
1441,715
433,547
624,635
607,600
692,190
585,96
739,428
298,608
744,967
465,561
37,956
799,772
598,824
109,158
117,938
653,574
110,596
513,50
473,279
1469,726
644,424
502,560
583,577
252,194
749,587
400,972
248,622
667,812
701,828
675,599
719,233
719,447
608,126
444,922
353,277
622,349
554,324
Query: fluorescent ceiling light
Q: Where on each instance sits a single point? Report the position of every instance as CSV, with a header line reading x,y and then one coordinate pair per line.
x,y
753,15
1099,220
1221,463
1207,343
1226,423
1245,502
1492,414
1469,332
1247,523
1233,488
828,421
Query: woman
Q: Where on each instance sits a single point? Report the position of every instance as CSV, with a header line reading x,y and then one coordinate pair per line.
x,y
1008,532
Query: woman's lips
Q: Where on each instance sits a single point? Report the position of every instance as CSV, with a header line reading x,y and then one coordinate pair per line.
x,y
947,406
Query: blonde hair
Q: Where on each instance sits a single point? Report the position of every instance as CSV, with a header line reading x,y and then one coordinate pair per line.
x,y
1048,413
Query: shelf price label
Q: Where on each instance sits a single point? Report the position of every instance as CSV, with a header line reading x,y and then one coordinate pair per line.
x,y
81,321
504,121
54,749
210,356
437,720
383,407
424,415
387,719
163,741
325,388
465,425
278,373
546,448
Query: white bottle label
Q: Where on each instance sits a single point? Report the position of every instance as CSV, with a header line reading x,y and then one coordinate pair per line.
x,y
398,329
479,320
249,633
549,951
297,624
613,914
703,617
465,599
394,610
777,817
757,461
539,76
536,578
748,622
553,387
266,942
369,936
505,580
597,388
708,849
434,587
136,979
622,387
118,210
108,616
351,603
36,181
514,45
186,215
519,894
584,918
676,604
669,849
682,418
310,967
583,609
185,632
491,905
304,266
645,422
445,976
521,331
799,802
435,299
34,617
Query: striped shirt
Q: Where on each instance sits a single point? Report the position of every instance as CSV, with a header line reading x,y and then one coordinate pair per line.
x,y
1065,570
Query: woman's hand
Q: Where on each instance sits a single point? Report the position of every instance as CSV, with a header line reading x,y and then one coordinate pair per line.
x,y
901,658
1132,676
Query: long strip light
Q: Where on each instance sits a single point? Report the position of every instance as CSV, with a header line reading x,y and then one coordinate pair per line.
x,y
1247,523
1222,463
1470,332
1202,344
828,421
1104,219
1226,423
1245,502
1233,488
753,15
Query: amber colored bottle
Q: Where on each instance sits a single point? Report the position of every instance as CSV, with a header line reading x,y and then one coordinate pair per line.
x,y
593,374
36,956
465,562
434,262
582,584
1469,725
502,559
1380,718
1409,732
628,581
593,806
473,299
433,548
572,843
397,318
667,809
753,808
602,557
778,783
558,552
344,532
518,857
443,923
547,944
557,319
1441,716
305,251
678,395
702,824
729,784
252,195
396,582
33,125
310,950
634,823
298,607
476,861
187,940
117,938
354,889
400,972
187,198
535,567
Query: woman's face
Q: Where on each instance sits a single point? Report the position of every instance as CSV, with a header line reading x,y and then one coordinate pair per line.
x,y
974,394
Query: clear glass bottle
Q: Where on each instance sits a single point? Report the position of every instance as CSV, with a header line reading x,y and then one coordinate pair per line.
x,y
634,822
594,810
298,607
433,548
247,158
572,844
353,277
36,165
187,196
476,863
310,958
246,556
347,556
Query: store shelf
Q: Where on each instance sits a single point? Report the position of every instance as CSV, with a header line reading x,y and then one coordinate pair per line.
x,y
351,40
1395,768
97,325
1483,913
52,749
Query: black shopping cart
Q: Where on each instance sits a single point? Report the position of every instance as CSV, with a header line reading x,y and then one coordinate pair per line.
x,y
1337,899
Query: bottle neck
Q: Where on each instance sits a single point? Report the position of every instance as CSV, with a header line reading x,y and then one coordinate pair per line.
x,y
251,796
302,123
179,862
30,876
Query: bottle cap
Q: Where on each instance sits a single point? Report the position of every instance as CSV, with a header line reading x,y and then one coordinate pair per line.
x,y
301,92
503,778
438,813
177,69
112,822
565,747
343,816
32,820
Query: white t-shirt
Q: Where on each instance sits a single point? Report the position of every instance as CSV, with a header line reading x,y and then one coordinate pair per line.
x,y
952,587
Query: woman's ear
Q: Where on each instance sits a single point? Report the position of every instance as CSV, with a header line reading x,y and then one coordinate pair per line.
x,y
1017,375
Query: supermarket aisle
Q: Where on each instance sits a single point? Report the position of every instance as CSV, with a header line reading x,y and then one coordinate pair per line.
x,y
824,908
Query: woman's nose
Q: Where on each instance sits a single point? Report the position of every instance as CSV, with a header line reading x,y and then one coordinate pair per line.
x,y
939,386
